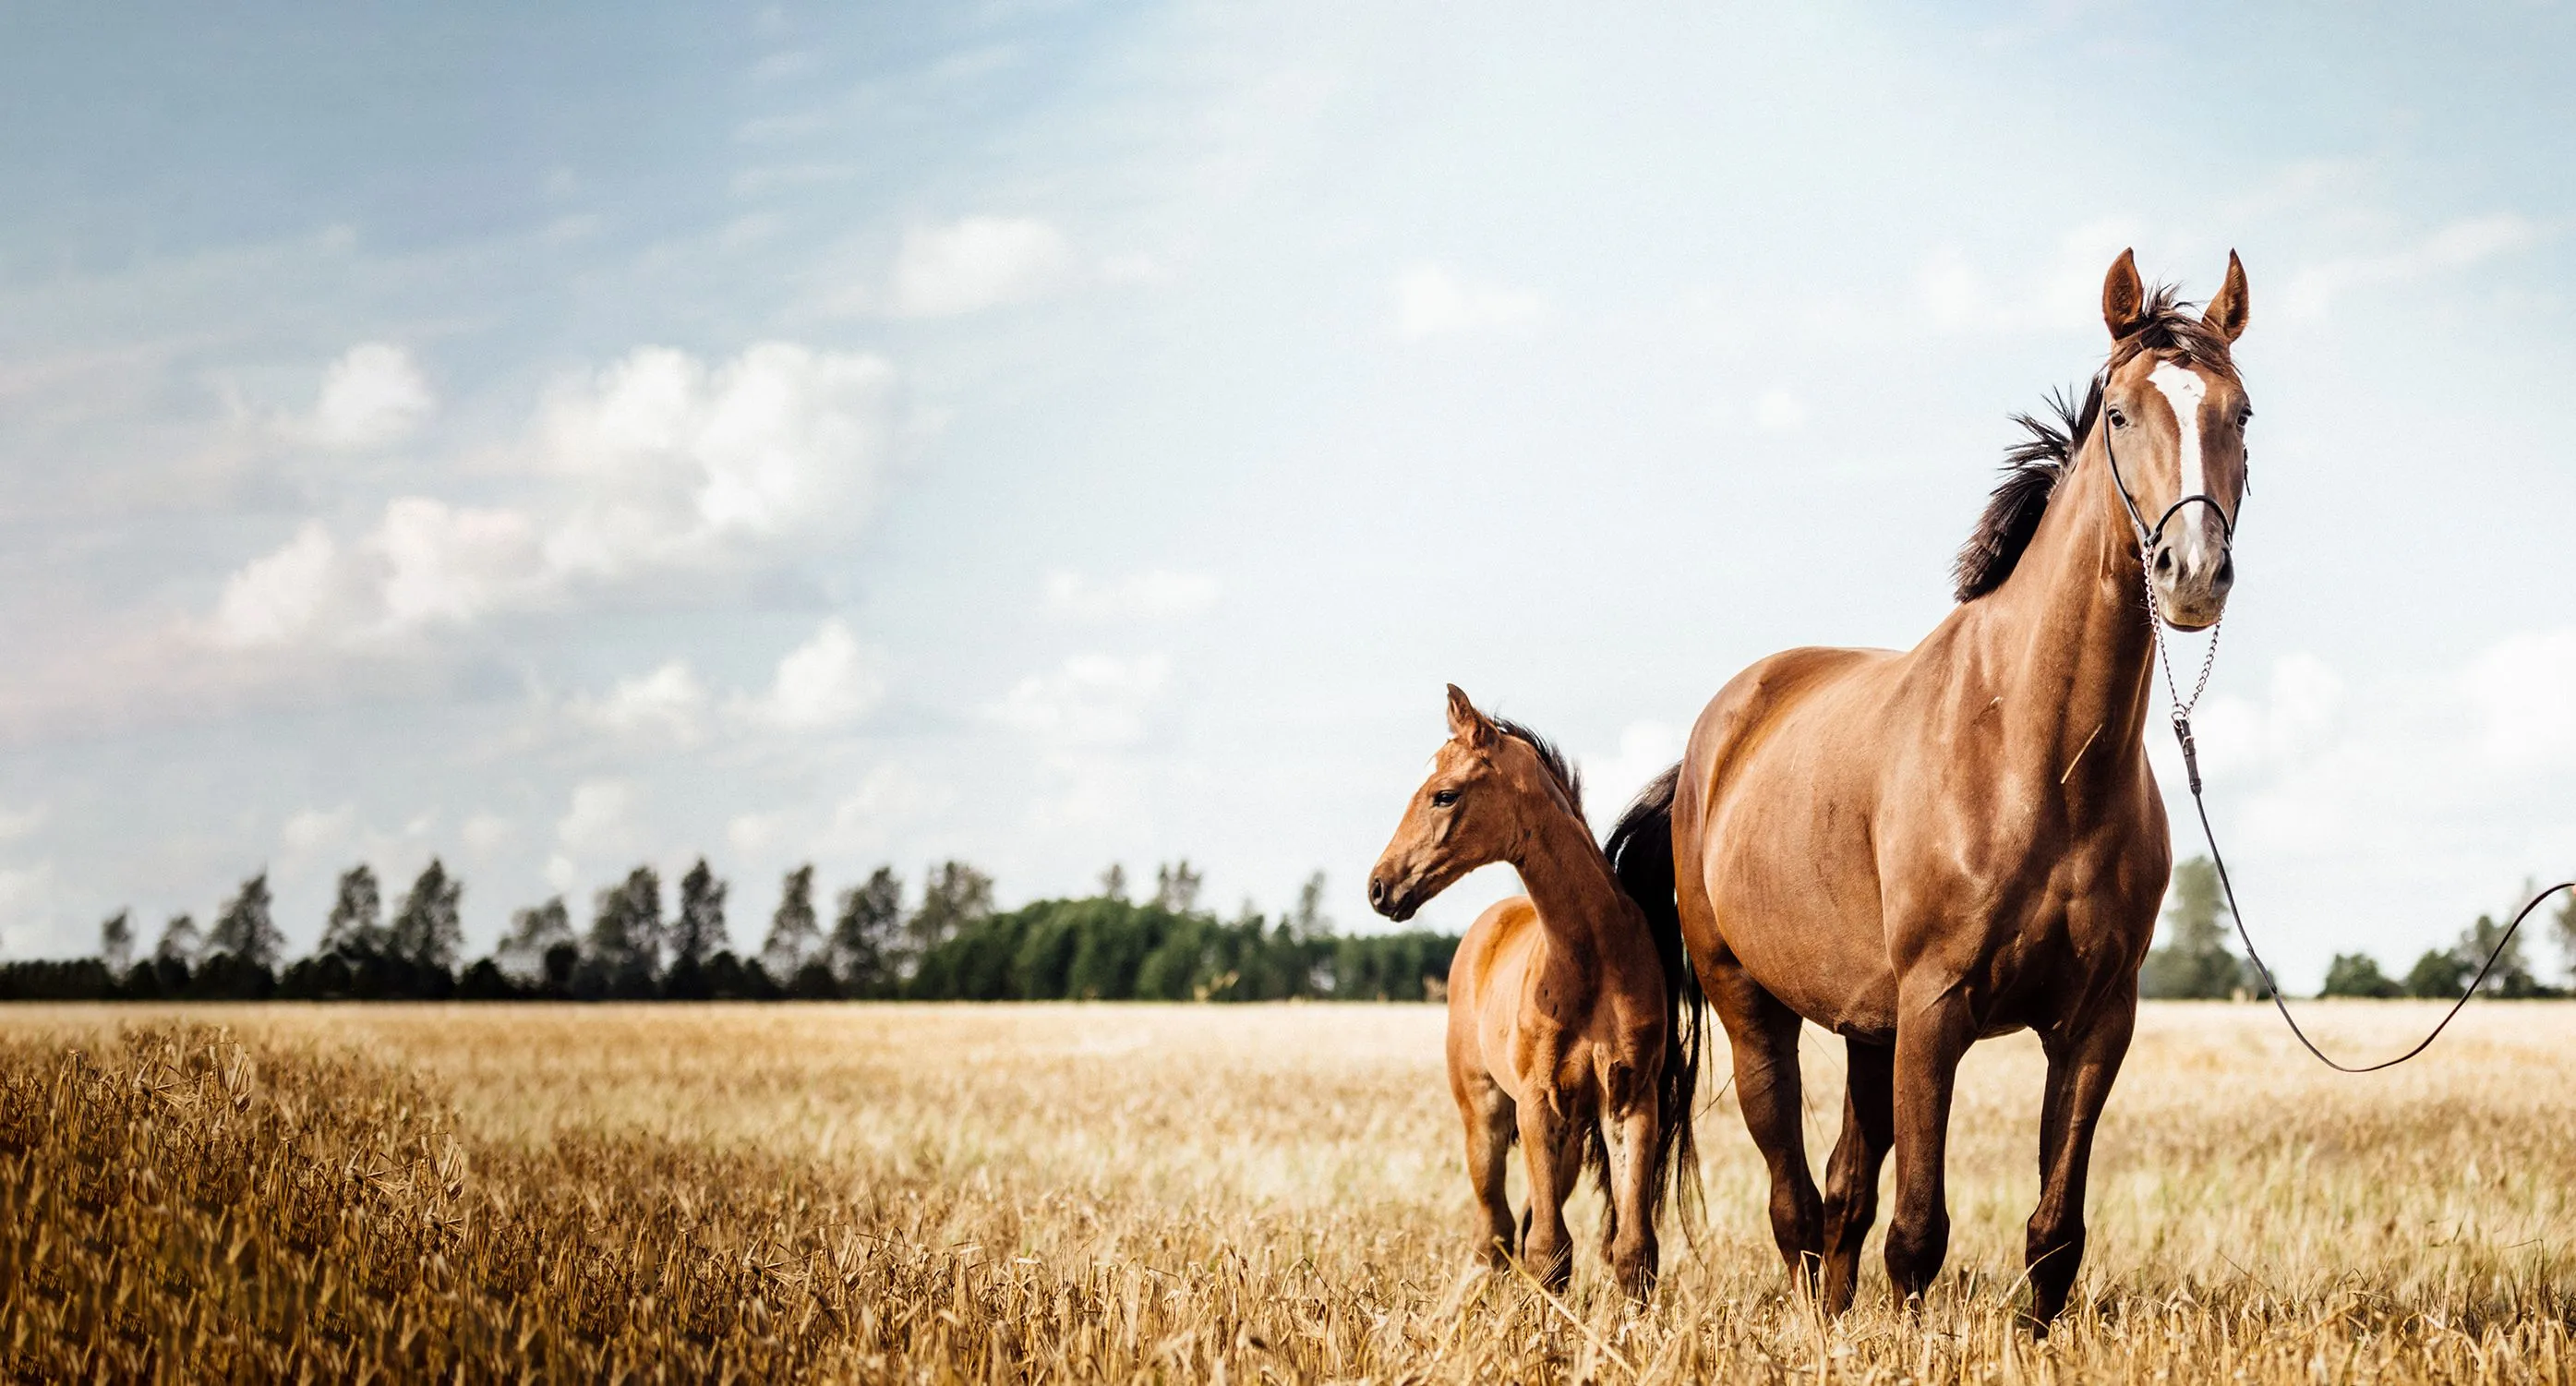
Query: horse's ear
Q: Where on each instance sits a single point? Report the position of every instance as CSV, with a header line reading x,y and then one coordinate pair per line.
x,y
2228,312
2124,299
1465,722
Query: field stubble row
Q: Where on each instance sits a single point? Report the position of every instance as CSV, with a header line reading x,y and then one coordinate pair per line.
x,y
1188,1193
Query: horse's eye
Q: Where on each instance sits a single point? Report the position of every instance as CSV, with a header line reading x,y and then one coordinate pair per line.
x,y
2244,417
2118,419
1443,798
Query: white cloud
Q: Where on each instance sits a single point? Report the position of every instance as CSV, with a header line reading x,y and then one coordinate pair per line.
x,y
829,681
1094,700
485,834
663,466
1432,301
2524,690
276,598
889,799
312,831
1156,594
1778,411
667,706
26,915
2060,291
372,396
598,825
18,823
1610,781
977,263
2313,288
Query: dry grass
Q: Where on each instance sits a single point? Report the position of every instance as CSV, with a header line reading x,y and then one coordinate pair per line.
x,y
1185,1194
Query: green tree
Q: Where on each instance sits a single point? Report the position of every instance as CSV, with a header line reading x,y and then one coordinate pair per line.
x,y
1176,887
2563,924
794,936
698,933
2358,974
626,929
954,896
2195,962
534,931
244,929
867,934
2439,975
356,927
429,928
2511,975
116,942
180,942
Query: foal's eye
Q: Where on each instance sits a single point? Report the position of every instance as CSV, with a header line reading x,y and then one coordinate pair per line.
x,y
2118,419
1443,798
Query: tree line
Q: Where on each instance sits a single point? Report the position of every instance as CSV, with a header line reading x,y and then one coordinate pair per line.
x,y
2196,963
950,944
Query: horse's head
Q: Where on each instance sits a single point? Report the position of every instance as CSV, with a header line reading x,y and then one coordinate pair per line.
x,y
1488,782
2176,415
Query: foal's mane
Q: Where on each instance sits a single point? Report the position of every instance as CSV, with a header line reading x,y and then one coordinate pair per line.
x,y
2171,329
1567,778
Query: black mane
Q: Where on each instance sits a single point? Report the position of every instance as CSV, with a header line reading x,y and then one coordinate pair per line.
x,y
2170,329
1567,778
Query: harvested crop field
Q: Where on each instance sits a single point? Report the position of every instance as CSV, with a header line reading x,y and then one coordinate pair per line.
x,y
1191,1193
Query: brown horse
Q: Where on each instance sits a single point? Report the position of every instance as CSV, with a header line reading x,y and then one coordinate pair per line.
x,y
1920,849
1571,1025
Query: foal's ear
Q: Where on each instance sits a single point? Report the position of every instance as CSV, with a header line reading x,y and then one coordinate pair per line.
x,y
2124,299
2228,312
1465,722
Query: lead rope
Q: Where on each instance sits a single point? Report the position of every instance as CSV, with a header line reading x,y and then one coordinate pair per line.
x,y
2182,708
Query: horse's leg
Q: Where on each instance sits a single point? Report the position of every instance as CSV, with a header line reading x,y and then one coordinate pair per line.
x,y
1851,1177
1544,1148
2081,1067
1763,1033
1933,1029
1630,1136
1487,1112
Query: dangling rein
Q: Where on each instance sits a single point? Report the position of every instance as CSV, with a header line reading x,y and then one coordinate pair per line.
x,y
2150,539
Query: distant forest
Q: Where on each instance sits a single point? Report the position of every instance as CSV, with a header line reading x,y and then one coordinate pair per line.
x,y
2195,962
950,945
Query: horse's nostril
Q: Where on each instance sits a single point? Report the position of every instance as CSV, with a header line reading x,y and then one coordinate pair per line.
x,y
1377,890
2227,570
2164,562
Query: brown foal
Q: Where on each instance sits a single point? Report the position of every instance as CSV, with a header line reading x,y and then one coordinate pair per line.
x,y
1571,1026
1920,849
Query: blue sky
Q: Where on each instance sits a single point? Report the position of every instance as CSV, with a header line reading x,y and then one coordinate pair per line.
x,y
1054,435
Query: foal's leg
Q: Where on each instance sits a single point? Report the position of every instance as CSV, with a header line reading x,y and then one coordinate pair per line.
x,y
1764,1036
1851,1177
1631,1136
2081,1067
1487,1112
1554,1162
1933,1029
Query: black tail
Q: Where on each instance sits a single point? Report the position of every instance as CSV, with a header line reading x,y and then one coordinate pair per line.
x,y
1641,853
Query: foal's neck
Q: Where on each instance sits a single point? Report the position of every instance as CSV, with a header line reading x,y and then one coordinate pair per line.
x,y
2069,640
1568,878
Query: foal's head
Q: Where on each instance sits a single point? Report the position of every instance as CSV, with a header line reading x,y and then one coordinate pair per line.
x,y
1493,785
2175,415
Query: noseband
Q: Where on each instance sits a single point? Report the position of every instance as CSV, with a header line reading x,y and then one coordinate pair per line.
x,y
2151,538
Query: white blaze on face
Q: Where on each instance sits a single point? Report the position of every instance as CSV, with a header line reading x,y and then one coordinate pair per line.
x,y
2183,390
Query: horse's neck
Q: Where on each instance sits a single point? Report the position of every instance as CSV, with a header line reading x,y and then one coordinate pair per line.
x,y
1568,879
2067,634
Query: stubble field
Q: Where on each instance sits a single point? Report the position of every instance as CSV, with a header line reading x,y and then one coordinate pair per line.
x,y
1206,1193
